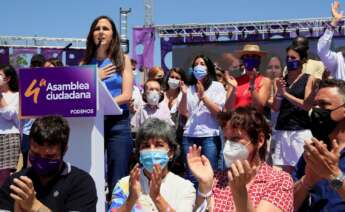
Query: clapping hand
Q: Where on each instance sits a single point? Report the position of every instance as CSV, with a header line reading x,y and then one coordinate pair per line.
x,y
134,183
200,89
200,167
24,194
240,174
324,163
155,182
281,86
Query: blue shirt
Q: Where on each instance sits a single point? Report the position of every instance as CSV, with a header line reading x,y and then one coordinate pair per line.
x,y
114,82
322,197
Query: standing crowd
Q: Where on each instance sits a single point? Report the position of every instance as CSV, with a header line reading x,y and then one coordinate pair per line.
x,y
246,137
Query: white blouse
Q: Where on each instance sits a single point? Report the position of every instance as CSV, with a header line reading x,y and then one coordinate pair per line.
x,y
9,122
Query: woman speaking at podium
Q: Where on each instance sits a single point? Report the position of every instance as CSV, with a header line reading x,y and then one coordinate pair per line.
x,y
114,69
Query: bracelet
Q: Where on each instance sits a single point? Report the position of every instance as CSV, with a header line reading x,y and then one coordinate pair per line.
x,y
208,194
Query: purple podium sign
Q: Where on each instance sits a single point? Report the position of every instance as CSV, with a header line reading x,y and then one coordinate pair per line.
x,y
65,91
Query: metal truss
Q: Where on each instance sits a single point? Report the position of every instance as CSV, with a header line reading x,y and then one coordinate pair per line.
x,y
241,28
42,42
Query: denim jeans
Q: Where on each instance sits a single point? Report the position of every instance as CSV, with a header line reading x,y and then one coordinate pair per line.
x,y
119,146
211,147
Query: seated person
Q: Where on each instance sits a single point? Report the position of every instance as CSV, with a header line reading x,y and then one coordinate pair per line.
x,y
154,106
248,184
50,184
152,187
319,174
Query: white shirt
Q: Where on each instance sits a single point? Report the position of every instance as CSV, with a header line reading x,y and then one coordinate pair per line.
x,y
334,61
178,192
9,122
201,123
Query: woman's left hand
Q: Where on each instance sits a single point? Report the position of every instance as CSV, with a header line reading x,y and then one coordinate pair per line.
x,y
240,174
200,89
155,182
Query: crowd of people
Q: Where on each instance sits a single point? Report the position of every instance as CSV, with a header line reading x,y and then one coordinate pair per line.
x,y
209,138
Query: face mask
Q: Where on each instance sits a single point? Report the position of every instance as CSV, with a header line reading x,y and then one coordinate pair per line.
x,y
237,72
153,97
234,151
149,157
2,80
292,65
322,124
251,62
44,166
173,83
200,72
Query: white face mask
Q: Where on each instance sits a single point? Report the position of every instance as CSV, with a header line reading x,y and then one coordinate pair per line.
x,y
173,83
234,151
153,97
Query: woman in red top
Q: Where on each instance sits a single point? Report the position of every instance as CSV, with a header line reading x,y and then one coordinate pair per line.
x,y
248,184
251,88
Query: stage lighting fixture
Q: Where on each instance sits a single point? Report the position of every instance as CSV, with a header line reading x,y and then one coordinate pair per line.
x,y
297,32
311,31
217,35
230,35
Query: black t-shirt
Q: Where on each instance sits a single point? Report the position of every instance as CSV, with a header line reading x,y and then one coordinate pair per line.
x,y
72,190
291,117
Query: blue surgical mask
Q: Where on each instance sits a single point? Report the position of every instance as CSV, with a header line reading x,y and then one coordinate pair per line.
x,y
200,72
292,65
149,157
250,63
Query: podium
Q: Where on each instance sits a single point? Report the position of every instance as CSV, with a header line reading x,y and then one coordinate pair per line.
x,y
86,140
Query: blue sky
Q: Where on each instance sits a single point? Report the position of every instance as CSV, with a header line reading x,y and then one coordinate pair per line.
x,y
72,18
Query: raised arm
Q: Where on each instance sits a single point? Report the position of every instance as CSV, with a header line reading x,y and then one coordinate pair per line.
x,y
328,57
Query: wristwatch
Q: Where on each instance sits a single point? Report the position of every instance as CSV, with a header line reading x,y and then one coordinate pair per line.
x,y
338,181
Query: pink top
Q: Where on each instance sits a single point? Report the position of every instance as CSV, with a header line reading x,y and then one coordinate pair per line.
x,y
243,95
269,184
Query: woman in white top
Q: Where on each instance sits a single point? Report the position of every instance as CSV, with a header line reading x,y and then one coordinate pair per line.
x,y
153,187
201,103
9,123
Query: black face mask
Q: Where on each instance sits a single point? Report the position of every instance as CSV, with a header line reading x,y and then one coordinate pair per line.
x,y
322,124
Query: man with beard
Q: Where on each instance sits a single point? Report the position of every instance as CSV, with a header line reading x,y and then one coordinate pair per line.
x,y
50,184
319,175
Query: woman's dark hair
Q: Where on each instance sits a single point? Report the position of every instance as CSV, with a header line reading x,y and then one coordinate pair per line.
x,y
55,62
250,120
211,76
301,50
51,131
177,70
114,51
10,72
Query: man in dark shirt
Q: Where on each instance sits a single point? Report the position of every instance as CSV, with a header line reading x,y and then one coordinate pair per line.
x,y
319,174
50,184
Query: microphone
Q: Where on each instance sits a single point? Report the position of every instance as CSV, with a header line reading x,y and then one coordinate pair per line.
x,y
67,47
99,43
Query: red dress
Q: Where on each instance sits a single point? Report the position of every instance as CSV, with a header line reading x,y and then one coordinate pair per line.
x,y
269,184
243,95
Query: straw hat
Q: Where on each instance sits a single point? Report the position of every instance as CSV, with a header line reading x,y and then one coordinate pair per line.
x,y
250,49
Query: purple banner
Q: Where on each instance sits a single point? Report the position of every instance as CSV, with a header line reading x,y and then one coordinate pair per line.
x,y
4,55
52,53
66,91
21,57
74,56
145,39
